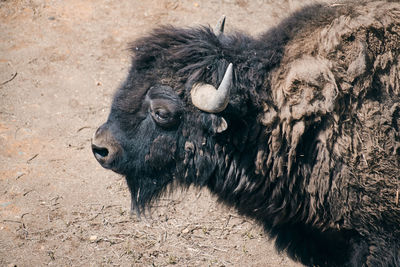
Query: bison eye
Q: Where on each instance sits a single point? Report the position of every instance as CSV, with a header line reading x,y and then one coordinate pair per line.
x,y
165,106
161,115
164,117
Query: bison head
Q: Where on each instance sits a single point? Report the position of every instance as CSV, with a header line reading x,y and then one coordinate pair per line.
x,y
168,122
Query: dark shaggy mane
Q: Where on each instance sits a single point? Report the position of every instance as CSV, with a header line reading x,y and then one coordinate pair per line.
x,y
197,54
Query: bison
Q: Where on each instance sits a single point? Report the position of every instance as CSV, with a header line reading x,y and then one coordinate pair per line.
x,y
298,128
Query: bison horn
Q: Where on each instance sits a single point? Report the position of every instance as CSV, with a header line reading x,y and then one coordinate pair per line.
x,y
207,98
219,28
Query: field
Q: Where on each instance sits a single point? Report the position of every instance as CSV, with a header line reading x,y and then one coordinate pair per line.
x,y
60,62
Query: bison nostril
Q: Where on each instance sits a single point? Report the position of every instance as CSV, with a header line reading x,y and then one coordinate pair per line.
x,y
100,152
105,148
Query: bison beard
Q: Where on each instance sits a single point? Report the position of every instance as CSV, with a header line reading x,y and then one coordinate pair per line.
x,y
308,144
149,187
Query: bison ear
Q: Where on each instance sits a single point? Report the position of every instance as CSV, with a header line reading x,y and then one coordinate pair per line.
x,y
219,124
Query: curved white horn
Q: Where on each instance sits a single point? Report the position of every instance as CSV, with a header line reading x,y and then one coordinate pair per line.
x,y
219,28
207,98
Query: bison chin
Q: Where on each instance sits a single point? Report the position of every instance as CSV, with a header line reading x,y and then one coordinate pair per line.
x,y
145,190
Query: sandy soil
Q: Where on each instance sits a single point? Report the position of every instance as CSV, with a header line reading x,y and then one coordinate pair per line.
x,y
60,62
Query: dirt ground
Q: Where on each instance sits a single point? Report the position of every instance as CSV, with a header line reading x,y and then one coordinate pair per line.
x,y
60,62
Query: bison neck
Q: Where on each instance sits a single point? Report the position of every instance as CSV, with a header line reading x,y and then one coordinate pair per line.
x,y
263,175
264,180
